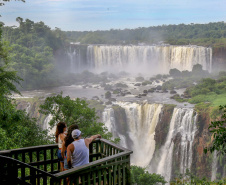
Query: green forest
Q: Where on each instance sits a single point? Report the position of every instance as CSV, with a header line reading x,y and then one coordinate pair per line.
x,y
211,34
32,49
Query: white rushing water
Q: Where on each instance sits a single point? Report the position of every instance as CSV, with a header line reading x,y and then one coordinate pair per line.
x,y
109,120
141,121
47,126
146,58
214,166
182,122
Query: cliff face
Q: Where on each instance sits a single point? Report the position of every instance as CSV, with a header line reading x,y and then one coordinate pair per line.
x,y
31,106
162,127
219,59
201,163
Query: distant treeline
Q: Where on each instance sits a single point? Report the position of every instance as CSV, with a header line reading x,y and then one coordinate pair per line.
x,y
211,34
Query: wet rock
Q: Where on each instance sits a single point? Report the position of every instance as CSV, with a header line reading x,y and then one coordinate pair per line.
x,y
112,99
108,103
159,87
95,98
137,84
173,92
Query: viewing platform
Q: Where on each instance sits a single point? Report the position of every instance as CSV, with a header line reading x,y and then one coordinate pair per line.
x,y
38,165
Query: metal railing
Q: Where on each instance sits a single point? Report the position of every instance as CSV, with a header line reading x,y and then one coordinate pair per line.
x,y
109,164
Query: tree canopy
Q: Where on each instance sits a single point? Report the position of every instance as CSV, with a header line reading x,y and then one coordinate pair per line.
x,y
140,176
74,112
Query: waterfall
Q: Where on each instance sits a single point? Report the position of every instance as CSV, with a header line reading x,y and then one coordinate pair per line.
x,y
214,166
141,58
141,121
74,57
109,120
182,122
47,126
28,107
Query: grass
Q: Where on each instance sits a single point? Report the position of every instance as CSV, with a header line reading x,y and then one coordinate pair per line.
x,y
219,100
213,98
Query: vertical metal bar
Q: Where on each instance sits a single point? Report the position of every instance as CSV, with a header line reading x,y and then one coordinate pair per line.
x,y
109,176
94,178
105,177
99,177
23,167
119,174
38,178
52,169
115,177
124,173
88,179
83,180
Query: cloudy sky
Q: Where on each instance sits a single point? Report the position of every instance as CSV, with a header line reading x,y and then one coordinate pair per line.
x,y
81,15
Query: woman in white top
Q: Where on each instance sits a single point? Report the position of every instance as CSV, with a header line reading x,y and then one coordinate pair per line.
x,y
59,136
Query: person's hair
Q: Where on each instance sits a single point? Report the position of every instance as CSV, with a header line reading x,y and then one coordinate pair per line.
x,y
59,129
68,139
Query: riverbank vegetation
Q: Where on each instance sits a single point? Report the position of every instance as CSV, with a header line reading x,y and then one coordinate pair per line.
x,y
201,86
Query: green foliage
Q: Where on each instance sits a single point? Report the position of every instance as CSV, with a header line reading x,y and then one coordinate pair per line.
x,y
108,95
211,34
189,178
140,176
7,78
208,90
139,79
175,72
1,4
32,47
121,85
211,89
17,129
73,112
218,130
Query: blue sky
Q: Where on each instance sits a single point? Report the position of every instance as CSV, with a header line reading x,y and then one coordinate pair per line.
x,y
86,15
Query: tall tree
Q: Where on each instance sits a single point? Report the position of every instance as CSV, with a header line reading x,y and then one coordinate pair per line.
x,y
74,111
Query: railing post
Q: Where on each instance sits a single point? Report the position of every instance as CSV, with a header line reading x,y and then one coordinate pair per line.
x,y
128,174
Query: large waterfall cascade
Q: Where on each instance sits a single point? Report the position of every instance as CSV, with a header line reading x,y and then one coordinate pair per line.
x,y
141,58
142,120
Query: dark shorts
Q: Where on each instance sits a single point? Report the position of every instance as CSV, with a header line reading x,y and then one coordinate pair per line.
x,y
59,156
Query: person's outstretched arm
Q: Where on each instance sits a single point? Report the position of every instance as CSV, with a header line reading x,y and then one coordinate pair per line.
x,y
92,138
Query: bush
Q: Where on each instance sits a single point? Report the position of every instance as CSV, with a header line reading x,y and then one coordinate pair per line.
x,y
139,79
140,176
